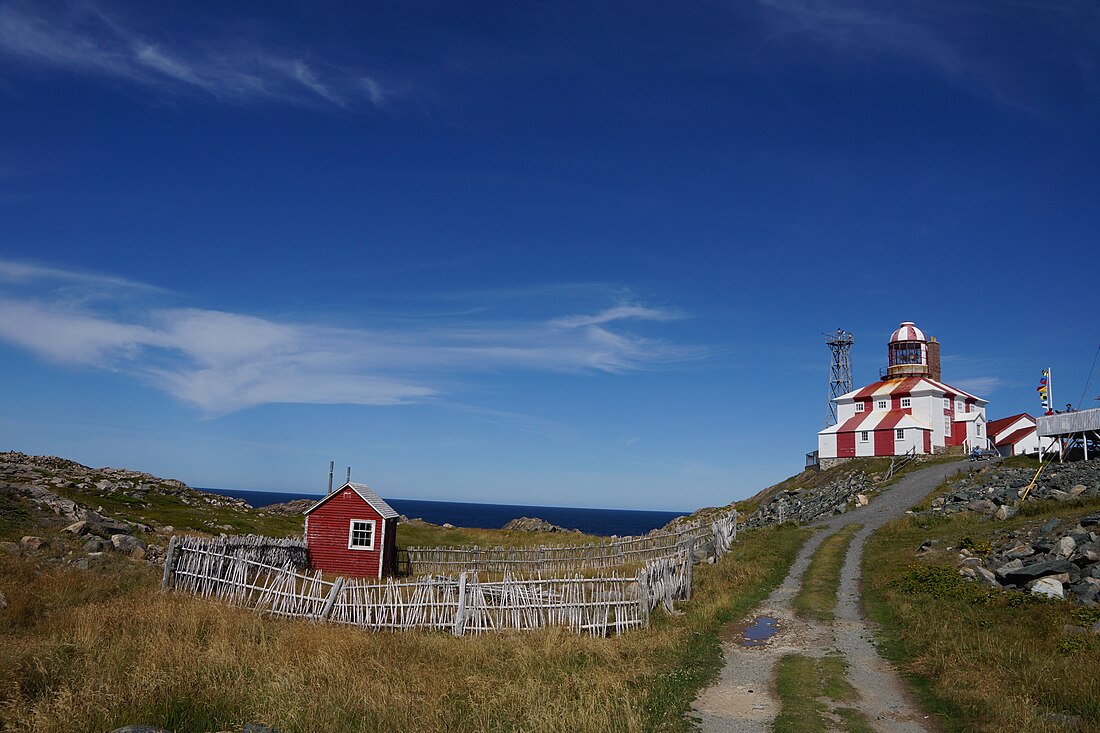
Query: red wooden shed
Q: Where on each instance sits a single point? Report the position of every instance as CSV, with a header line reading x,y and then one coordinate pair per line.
x,y
352,532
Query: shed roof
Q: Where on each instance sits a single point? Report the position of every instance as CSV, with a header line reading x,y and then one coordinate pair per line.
x,y
365,493
996,426
968,417
1015,437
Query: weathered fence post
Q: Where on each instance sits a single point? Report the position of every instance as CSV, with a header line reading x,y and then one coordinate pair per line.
x,y
687,571
330,602
460,612
169,564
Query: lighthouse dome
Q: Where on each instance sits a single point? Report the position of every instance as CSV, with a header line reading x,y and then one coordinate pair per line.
x,y
907,332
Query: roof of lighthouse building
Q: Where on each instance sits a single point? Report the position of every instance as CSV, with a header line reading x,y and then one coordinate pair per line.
x,y
907,331
906,387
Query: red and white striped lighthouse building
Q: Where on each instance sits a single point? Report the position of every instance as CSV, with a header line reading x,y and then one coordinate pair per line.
x,y
908,409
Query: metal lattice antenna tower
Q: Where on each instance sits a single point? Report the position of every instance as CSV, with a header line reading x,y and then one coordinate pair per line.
x,y
840,370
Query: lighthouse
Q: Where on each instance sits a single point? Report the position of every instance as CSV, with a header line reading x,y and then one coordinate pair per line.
x,y
909,410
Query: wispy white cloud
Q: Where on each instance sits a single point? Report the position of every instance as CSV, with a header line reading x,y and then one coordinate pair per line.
x,y
962,40
90,41
221,362
981,386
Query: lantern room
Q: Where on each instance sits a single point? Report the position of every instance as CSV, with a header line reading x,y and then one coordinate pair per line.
x,y
908,352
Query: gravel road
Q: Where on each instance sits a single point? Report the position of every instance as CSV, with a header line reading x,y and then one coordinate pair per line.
x,y
743,701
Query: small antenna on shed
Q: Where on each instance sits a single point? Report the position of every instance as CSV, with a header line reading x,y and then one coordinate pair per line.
x,y
331,465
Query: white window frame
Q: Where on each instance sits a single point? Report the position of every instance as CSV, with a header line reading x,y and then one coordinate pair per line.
x,y
351,534
947,403
864,436
900,434
882,404
960,406
906,402
860,406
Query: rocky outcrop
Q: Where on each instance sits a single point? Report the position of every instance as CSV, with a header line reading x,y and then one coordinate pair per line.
x,y
809,504
290,508
996,491
1058,558
534,524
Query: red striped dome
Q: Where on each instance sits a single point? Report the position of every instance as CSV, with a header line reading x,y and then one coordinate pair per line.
x,y
907,332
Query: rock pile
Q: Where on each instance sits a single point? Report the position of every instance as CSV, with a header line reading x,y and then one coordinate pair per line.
x,y
534,524
810,504
996,491
297,506
39,477
1057,558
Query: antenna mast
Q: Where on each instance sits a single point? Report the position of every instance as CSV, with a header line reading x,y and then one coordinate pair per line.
x,y
840,370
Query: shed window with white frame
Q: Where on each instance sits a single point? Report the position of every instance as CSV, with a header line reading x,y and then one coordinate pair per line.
x,y
881,404
361,534
864,436
901,433
906,402
859,407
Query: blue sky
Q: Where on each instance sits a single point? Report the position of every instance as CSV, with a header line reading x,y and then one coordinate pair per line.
x,y
561,253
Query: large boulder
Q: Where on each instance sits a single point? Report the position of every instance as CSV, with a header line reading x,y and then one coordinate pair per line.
x,y
1028,573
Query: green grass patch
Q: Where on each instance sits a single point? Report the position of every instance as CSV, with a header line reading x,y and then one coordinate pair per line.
x,y
817,598
810,692
980,659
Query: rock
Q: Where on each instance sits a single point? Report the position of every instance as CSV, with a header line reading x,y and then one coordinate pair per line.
x,y
3,601
297,506
168,529
925,546
1071,630
10,548
77,528
1066,546
257,728
1048,587
1018,551
33,543
1096,627
448,525
532,524
1010,567
982,506
96,545
987,577
105,526
105,485
1025,574
862,500
1006,512
968,573
127,543
1078,490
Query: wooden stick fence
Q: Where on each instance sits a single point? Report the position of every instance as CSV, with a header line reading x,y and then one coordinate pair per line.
x,y
570,559
597,606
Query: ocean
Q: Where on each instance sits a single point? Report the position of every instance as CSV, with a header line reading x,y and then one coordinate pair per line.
x,y
494,516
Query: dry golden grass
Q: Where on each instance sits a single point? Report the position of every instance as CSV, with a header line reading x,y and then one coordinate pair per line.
x,y
88,651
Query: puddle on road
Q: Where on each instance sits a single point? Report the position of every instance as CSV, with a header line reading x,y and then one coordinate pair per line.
x,y
759,631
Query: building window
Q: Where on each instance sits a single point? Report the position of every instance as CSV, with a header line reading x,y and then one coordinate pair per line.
x,y
906,402
979,428
901,433
946,403
947,426
863,436
361,534
859,407
881,405
958,406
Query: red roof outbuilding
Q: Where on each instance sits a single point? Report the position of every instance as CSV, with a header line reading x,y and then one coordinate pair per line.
x,y
352,532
